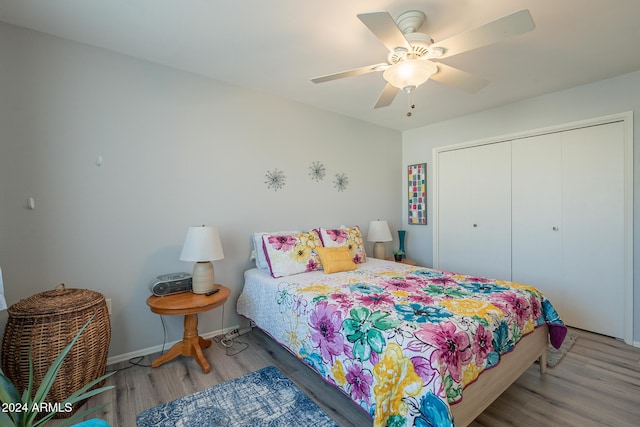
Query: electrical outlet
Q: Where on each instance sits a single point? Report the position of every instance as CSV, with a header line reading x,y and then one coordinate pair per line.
x,y
109,306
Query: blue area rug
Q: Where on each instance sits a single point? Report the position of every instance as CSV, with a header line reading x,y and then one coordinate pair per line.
x,y
262,398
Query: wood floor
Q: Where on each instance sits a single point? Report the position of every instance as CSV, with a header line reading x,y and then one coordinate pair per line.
x,y
596,384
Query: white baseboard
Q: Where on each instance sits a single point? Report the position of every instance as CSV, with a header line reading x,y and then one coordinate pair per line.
x,y
150,350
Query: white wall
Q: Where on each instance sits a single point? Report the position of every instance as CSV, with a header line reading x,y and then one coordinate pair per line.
x,y
602,98
178,150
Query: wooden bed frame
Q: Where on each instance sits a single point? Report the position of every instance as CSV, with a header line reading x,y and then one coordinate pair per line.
x,y
492,383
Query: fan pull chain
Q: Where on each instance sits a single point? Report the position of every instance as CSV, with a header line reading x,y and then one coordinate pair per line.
x,y
411,105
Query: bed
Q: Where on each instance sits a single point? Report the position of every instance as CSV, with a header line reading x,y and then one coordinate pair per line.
x,y
403,342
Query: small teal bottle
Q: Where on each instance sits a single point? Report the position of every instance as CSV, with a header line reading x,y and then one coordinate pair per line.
x,y
401,235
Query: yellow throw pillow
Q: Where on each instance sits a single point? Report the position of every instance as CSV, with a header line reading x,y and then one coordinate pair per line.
x,y
336,259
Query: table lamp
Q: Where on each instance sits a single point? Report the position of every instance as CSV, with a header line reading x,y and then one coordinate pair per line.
x,y
379,233
202,245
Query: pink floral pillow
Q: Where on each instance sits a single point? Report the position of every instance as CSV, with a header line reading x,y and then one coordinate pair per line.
x,y
289,254
349,237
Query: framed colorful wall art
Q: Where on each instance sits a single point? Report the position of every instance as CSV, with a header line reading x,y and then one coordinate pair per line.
x,y
417,187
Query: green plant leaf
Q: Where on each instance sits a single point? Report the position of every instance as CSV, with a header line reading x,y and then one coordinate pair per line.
x,y
9,394
29,388
80,395
26,395
5,420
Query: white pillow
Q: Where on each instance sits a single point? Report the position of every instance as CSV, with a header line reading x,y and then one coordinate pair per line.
x,y
289,254
258,250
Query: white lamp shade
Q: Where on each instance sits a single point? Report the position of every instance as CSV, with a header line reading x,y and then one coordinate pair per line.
x,y
202,244
409,74
379,231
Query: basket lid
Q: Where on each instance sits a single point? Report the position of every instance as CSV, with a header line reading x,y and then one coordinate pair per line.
x,y
57,301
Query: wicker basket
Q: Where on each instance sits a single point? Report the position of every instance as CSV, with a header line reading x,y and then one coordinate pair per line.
x,y
47,322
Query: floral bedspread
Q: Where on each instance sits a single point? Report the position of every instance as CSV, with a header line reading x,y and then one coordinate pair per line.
x,y
400,341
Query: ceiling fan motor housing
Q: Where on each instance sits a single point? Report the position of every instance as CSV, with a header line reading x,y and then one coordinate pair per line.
x,y
420,43
411,21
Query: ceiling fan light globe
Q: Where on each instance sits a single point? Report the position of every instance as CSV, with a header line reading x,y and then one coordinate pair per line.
x,y
411,73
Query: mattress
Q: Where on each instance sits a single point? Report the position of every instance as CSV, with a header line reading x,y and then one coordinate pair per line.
x,y
401,341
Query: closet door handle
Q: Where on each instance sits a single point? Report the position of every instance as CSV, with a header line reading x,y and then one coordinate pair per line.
x,y
475,225
556,228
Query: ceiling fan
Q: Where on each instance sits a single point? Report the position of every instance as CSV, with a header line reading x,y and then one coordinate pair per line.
x,y
411,54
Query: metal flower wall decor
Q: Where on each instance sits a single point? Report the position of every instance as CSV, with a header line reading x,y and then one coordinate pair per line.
x,y
317,171
275,179
341,182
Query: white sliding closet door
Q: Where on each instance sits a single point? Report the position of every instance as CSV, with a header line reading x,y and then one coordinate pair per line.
x,y
551,210
568,223
536,215
593,228
474,211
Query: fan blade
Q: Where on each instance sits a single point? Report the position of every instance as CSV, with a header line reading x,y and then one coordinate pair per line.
x,y
511,25
350,73
454,77
387,96
384,27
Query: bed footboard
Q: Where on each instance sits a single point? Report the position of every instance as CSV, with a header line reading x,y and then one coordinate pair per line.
x,y
492,383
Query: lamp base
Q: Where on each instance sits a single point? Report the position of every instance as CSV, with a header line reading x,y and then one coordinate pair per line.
x,y
379,250
202,278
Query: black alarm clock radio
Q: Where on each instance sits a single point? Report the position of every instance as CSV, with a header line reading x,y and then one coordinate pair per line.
x,y
172,283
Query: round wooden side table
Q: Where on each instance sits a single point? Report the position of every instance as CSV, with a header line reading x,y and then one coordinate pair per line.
x,y
189,305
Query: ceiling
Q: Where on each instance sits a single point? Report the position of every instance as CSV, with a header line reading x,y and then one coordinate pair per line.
x,y
276,47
